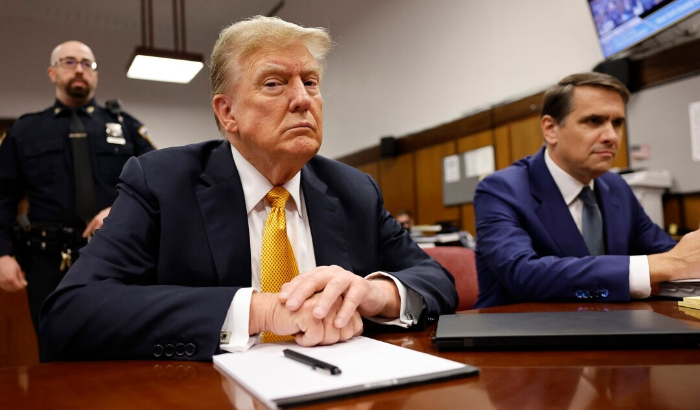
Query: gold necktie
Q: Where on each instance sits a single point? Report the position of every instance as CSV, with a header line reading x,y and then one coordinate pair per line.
x,y
277,262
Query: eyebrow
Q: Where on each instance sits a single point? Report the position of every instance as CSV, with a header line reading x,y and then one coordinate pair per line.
x,y
602,116
274,68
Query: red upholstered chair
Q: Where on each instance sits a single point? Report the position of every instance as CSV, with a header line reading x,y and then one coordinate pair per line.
x,y
462,265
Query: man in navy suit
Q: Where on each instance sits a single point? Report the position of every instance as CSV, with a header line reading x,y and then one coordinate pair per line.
x,y
175,273
530,222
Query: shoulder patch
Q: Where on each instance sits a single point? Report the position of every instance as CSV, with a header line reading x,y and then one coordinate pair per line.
x,y
143,132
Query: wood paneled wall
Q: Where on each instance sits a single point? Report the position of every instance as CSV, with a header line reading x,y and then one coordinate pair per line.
x,y
399,174
464,144
429,207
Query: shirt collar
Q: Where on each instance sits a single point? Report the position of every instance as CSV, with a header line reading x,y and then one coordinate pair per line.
x,y
59,107
569,186
256,186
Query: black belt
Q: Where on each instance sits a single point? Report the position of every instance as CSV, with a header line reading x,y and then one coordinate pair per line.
x,y
49,236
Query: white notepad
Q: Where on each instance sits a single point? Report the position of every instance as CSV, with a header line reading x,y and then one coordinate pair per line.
x,y
367,365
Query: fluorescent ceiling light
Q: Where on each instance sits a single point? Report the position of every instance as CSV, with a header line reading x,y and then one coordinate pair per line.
x,y
161,65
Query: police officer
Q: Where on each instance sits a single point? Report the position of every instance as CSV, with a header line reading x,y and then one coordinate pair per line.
x,y
66,160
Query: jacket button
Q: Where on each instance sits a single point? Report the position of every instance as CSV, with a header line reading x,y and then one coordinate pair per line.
x,y
179,349
579,294
604,293
157,350
169,350
190,348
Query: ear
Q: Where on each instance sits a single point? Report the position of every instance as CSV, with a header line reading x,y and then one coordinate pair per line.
x,y
223,109
549,129
51,71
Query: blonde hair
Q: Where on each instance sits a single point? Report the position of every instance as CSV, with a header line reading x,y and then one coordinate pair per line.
x,y
241,39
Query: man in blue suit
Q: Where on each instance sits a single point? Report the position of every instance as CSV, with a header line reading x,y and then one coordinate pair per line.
x,y
540,239
175,273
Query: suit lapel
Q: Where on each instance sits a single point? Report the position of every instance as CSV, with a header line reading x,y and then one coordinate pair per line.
x,y
552,210
610,208
326,220
222,204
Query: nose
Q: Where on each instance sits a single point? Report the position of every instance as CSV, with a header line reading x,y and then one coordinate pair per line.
x,y
611,134
299,99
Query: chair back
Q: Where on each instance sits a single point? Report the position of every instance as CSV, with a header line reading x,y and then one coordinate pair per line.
x,y
462,265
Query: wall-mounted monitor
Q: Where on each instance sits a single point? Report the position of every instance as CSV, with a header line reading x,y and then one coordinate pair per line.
x,y
624,23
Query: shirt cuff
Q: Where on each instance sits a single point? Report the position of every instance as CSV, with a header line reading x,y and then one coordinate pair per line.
x,y
412,304
237,323
640,282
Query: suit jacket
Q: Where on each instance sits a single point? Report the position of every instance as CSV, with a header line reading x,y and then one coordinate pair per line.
x,y
529,248
158,278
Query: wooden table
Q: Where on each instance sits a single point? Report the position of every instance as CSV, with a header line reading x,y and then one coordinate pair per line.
x,y
602,379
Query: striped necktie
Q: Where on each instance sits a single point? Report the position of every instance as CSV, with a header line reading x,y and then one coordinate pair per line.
x,y
592,223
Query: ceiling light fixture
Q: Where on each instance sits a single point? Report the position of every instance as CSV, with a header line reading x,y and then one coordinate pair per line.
x,y
153,64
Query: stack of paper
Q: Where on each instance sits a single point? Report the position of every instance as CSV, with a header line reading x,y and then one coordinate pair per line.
x,y
692,302
680,288
367,365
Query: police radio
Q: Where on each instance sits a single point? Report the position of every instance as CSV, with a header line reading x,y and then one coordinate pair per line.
x,y
115,107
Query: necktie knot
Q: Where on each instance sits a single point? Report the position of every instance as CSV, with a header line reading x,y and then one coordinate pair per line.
x,y
587,196
277,197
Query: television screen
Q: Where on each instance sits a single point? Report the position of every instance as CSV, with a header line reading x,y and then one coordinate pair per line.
x,y
624,23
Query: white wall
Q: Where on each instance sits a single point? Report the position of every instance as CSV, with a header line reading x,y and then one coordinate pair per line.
x,y
400,66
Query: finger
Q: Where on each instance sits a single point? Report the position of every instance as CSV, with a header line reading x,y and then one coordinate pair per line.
x,y
347,332
311,334
355,296
89,228
20,280
331,334
358,325
13,285
331,294
302,288
288,288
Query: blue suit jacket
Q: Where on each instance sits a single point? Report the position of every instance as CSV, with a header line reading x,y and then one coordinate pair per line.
x,y
529,248
175,249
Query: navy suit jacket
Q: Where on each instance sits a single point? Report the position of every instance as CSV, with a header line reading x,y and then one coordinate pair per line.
x,y
160,275
529,248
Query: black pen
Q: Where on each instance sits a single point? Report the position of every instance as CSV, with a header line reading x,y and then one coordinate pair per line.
x,y
314,363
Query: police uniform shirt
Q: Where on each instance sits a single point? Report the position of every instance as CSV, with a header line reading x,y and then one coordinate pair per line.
x,y
36,159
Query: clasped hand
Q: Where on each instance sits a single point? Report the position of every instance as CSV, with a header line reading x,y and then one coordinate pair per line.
x,y
325,305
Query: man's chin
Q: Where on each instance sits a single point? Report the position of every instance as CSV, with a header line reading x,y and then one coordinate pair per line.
x,y
78,92
306,144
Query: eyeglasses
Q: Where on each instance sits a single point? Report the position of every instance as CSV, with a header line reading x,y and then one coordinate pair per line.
x,y
72,63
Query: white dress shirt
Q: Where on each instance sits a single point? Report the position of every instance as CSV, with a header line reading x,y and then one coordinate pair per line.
x,y
255,187
570,187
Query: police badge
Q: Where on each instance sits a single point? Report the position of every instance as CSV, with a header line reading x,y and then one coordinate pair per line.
x,y
115,133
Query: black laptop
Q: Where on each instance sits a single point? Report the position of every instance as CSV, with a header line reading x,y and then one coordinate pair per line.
x,y
618,329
